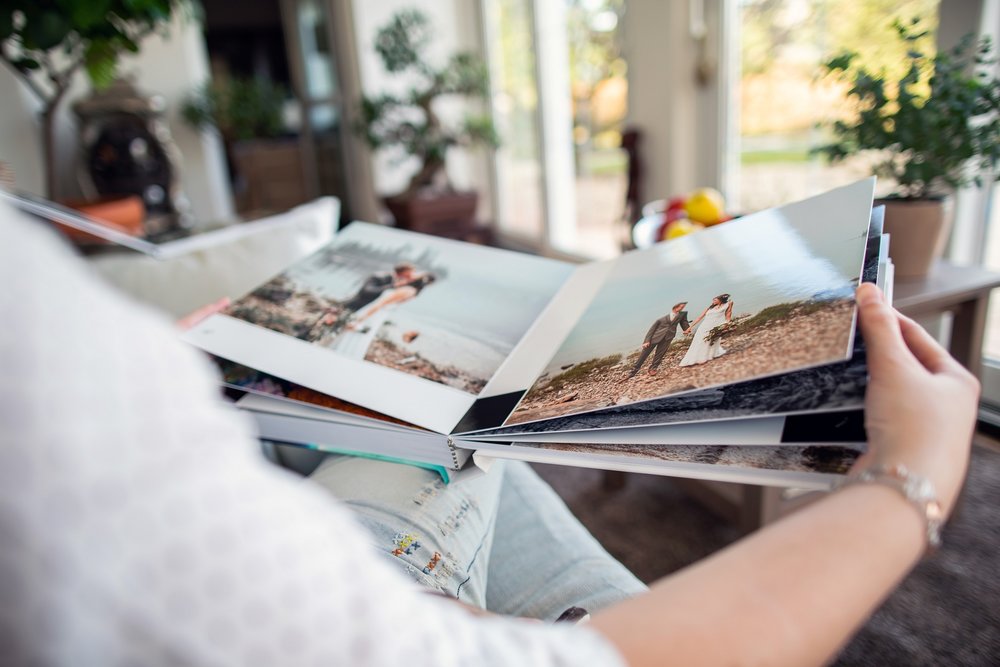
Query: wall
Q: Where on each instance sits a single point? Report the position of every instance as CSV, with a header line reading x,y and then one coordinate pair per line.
x,y
170,65
19,142
680,118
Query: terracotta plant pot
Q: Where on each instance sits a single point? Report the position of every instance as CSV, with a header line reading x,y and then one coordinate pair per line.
x,y
918,230
442,213
124,213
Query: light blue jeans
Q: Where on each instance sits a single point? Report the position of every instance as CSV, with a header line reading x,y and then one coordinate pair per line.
x,y
503,542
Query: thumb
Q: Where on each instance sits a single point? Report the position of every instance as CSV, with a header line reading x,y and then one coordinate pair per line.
x,y
880,329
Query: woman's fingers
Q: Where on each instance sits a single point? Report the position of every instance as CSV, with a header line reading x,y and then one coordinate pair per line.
x,y
880,328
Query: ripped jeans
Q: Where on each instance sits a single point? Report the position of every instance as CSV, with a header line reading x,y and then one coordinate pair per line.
x,y
504,542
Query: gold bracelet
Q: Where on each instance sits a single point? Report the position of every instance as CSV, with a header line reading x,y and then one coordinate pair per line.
x,y
917,490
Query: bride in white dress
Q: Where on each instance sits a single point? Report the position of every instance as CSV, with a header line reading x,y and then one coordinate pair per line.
x,y
359,333
701,350
364,325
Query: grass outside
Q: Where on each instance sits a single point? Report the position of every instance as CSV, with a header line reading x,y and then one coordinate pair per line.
x,y
784,156
606,162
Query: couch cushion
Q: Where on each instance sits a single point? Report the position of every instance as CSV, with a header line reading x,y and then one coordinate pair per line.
x,y
180,285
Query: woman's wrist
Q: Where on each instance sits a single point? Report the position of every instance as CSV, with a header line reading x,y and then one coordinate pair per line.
x,y
917,491
886,519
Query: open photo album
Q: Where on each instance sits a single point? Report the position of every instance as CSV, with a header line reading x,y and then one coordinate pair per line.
x,y
726,354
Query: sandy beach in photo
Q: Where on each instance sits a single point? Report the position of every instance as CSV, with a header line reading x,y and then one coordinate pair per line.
x,y
766,348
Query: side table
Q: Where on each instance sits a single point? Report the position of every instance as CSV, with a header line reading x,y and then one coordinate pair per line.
x,y
964,291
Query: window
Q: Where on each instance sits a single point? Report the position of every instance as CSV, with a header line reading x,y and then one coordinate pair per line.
x,y
510,38
559,101
782,100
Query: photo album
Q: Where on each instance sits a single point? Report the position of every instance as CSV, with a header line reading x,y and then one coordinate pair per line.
x,y
729,354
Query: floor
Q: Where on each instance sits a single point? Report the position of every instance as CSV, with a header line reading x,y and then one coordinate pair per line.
x,y
947,612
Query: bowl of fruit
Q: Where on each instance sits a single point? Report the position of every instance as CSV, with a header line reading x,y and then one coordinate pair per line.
x,y
668,219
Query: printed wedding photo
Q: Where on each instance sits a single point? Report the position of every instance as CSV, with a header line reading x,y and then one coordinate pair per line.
x,y
440,310
724,306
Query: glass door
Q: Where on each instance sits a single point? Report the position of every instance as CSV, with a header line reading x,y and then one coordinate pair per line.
x,y
598,79
518,173
559,95
314,73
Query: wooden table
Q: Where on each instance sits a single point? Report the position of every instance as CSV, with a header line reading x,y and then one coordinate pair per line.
x,y
962,291
965,293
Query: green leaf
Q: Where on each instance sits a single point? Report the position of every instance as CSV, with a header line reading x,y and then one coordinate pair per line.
x,y
85,15
101,63
841,62
6,24
47,30
128,44
400,42
25,64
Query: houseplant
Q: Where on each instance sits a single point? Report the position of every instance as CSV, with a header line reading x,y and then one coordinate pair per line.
x,y
933,130
239,109
410,121
265,161
47,42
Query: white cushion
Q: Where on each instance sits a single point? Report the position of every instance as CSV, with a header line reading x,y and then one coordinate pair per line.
x,y
180,285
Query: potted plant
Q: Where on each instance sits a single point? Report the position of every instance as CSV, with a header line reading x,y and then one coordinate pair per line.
x,y
265,162
935,129
46,42
410,122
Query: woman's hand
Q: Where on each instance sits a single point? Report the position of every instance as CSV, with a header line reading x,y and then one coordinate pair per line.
x,y
921,406
791,594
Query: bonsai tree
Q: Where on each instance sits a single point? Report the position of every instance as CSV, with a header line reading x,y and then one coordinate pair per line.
x,y
46,42
410,120
937,128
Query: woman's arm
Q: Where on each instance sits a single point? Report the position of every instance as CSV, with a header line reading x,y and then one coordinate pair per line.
x,y
794,592
398,295
700,317
729,312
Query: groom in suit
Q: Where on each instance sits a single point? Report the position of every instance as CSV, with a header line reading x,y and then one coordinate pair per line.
x,y
660,335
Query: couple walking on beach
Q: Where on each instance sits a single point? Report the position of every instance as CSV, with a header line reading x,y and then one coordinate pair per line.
x,y
662,332
352,329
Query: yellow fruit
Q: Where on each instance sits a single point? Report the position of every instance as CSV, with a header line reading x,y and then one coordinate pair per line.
x,y
681,227
705,205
